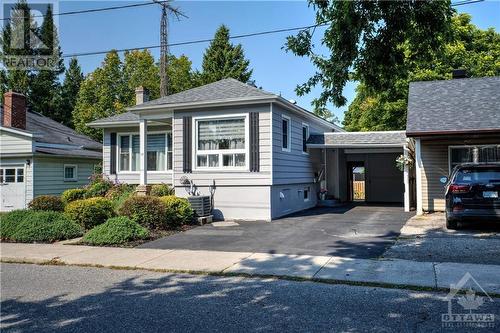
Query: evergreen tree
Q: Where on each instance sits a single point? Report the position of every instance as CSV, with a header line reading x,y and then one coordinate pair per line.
x,y
20,24
73,79
45,88
224,60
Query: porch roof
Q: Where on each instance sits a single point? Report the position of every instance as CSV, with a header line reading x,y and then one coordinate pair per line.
x,y
358,139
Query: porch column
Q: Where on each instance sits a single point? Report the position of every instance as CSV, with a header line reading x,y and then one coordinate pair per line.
x,y
143,141
406,178
143,188
418,174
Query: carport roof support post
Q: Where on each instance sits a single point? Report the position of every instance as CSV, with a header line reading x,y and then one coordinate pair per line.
x,y
406,179
418,172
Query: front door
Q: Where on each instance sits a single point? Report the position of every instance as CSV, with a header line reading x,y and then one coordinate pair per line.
x,y
12,188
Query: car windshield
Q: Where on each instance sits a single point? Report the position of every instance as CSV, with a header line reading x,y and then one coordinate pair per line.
x,y
485,175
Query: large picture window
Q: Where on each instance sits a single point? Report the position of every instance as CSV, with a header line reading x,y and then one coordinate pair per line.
x,y
159,152
476,154
221,143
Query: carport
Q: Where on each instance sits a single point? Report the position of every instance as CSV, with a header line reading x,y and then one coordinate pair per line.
x,y
361,166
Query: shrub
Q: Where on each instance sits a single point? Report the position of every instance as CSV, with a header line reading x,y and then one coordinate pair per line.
x,y
89,212
178,210
148,211
40,226
160,190
11,221
116,230
97,190
47,202
119,190
73,194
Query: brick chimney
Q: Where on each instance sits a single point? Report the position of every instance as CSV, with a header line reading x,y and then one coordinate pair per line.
x,y
141,95
14,110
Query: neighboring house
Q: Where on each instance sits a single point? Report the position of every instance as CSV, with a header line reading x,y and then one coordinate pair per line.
x,y
249,143
452,122
40,156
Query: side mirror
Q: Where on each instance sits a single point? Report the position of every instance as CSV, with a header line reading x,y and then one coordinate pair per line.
x,y
443,180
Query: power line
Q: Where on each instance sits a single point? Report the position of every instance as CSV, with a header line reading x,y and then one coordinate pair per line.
x,y
194,41
94,10
465,2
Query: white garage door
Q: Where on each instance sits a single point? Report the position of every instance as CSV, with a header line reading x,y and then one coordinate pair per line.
x,y
12,188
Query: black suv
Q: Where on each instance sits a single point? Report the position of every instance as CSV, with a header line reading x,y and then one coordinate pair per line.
x,y
472,192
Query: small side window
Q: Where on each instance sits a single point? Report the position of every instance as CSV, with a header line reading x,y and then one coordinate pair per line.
x,y
307,193
70,173
305,137
285,133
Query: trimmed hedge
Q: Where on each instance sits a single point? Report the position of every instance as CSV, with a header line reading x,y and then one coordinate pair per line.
x,y
73,194
178,210
39,226
47,203
116,230
89,212
148,211
11,221
160,190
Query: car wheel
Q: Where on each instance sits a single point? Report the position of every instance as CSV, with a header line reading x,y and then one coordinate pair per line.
x,y
451,224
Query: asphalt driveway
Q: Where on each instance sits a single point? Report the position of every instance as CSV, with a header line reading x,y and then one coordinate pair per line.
x,y
354,231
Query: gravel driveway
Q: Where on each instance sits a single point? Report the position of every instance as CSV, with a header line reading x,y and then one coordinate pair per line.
x,y
425,238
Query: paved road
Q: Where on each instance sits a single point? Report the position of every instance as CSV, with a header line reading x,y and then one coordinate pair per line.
x,y
75,299
357,232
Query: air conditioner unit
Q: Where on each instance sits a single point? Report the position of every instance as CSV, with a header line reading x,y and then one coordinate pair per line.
x,y
200,205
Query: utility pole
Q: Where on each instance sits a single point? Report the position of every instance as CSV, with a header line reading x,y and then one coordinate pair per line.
x,y
164,43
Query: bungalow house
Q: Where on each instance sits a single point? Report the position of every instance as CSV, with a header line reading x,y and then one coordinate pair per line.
x,y
40,156
451,122
260,155
263,157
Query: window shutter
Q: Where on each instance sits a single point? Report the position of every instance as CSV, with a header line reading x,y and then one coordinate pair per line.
x,y
112,157
254,142
187,145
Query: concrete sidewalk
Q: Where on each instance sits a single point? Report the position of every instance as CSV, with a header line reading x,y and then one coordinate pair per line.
x,y
398,273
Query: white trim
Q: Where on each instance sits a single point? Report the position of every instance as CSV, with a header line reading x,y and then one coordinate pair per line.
x,y
143,149
418,174
16,131
306,125
220,152
367,145
271,143
406,180
75,172
289,133
135,172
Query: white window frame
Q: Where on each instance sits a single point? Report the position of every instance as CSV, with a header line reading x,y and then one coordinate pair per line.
x,y
474,154
289,136
130,134
308,190
221,152
16,173
306,126
75,172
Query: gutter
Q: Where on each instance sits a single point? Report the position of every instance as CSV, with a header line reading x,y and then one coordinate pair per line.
x,y
451,132
361,145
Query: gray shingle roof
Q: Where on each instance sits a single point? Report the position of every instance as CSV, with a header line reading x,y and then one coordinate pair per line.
x,y
368,139
458,105
47,130
122,117
220,90
82,153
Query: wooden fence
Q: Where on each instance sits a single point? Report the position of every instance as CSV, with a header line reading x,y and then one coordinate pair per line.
x,y
358,187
